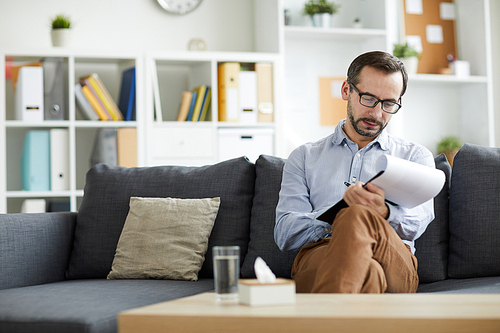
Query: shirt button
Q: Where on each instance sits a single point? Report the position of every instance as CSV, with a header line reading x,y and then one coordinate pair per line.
x,y
353,179
345,144
358,154
326,229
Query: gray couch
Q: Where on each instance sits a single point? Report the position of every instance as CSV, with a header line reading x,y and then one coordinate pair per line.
x,y
53,266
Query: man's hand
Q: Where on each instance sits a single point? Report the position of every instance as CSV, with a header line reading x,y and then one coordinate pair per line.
x,y
372,196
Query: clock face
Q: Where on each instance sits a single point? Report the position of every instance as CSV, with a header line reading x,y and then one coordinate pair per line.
x,y
179,6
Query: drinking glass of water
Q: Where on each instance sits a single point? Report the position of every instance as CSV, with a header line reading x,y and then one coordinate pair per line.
x,y
226,272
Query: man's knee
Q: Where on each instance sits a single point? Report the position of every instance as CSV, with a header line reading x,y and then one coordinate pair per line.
x,y
355,215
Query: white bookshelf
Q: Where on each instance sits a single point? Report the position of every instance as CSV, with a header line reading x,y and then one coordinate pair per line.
x,y
188,142
109,67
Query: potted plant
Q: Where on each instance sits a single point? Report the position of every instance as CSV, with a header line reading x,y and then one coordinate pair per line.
x,y
321,12
357,23
449,145
408,55
61,30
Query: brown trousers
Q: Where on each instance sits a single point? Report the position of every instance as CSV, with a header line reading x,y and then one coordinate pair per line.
x,y
364,255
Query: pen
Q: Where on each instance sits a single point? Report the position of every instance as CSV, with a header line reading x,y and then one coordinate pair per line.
x,y
364,186
349,184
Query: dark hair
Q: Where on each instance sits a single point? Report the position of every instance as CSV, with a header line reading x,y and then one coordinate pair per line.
x,y
383,61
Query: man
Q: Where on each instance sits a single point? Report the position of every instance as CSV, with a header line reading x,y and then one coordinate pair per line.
x,y
369,247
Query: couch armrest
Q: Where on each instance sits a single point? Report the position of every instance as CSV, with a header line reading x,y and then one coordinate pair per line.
x,y
35,248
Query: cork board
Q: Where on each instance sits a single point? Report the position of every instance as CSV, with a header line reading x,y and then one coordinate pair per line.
x,y
434,55
331,105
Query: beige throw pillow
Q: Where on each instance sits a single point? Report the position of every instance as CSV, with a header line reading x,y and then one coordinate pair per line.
x,y
164,238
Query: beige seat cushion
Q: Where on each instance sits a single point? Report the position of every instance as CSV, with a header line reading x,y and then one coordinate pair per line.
x,y
164,238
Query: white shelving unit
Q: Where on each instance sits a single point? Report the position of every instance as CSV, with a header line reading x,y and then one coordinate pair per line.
x,y
434,105
192,143
109,67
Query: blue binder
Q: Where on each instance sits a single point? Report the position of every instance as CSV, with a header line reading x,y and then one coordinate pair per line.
x,y
126,102
36,161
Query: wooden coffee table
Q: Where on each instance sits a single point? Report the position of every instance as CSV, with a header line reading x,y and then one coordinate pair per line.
x,y
322,313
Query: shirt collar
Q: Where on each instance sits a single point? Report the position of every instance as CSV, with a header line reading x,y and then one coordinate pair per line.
x,y
339,136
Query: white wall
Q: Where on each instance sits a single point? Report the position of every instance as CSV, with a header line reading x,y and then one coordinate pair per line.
x,y
225,25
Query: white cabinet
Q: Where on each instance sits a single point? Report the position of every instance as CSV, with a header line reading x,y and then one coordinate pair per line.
x,y
109,67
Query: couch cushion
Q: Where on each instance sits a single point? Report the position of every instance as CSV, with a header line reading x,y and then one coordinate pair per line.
x,y
269,171
475,213
484,285
34,248
86,306
108,190
432,246
164,238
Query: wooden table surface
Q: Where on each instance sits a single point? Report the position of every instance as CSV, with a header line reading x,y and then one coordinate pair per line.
x,y
427,313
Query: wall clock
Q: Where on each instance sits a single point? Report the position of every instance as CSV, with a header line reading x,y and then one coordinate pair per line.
x,y
180,7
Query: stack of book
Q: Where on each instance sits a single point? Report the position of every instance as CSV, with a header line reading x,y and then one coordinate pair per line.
x,y
95,102
195,104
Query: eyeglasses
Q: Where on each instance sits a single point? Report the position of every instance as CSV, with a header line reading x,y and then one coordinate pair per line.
x,y
372,101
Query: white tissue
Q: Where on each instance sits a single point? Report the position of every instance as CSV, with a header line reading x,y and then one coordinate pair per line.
x,y
263,272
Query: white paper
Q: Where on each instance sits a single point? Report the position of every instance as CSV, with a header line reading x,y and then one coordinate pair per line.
x,y
414,7
407,183
434,34
415,41
263,272
447,11
336,87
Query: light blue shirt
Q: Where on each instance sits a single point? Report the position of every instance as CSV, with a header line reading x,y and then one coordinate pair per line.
x,y
313,181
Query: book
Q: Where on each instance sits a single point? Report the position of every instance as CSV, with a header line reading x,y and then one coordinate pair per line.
x,y
59,159
405,183
191,106
54,88
35,165
30,206
105,147
200,92
252,292
206,104
103,95
87,92
127,147
126,102
156,92
265,91
86,110
227,78
184,106
28,97
248,97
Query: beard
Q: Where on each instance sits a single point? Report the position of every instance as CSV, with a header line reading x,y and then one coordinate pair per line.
x,y
355,122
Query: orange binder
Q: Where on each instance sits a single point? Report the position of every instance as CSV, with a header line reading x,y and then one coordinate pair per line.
x,y
127,147
228,91
265,103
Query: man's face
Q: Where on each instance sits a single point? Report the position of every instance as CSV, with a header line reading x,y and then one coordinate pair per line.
x,y
368,122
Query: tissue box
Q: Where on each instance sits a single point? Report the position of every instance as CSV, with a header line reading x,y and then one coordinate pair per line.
x,y
253,293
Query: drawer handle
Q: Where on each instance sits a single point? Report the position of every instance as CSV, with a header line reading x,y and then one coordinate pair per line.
x,y
246,137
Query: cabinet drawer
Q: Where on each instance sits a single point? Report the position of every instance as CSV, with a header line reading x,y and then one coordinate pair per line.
x,y
181,142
